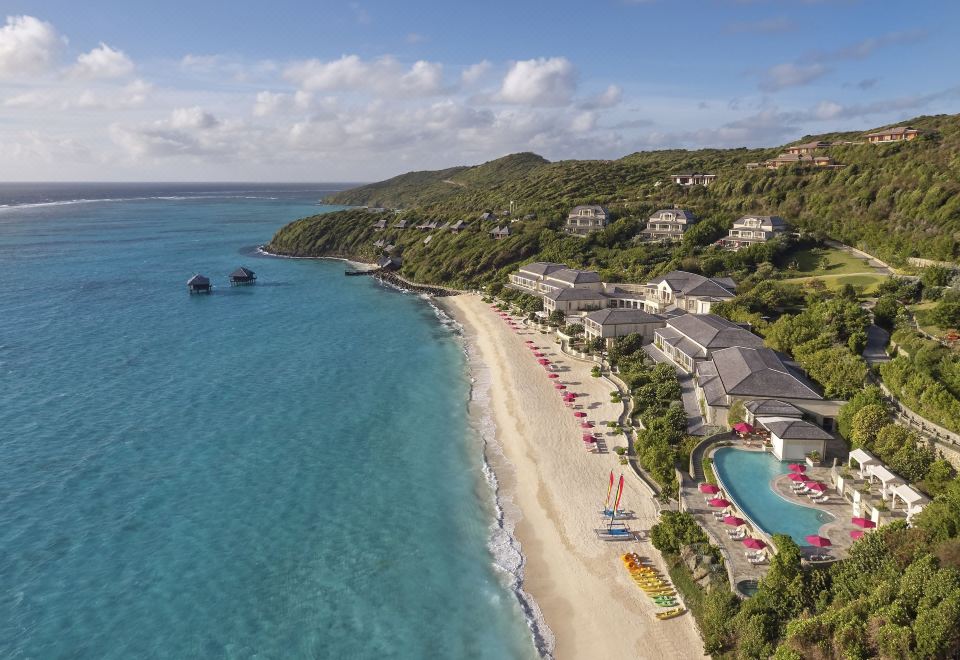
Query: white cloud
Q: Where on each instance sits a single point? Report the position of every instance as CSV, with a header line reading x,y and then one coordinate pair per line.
x,y
609,98
28,46
789,74
352,73
475,72
103,62
540,82
194,118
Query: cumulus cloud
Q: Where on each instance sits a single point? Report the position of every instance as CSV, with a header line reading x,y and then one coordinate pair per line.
x,y
352,73
790,74
475,72
28,46
539,82
607,99
103,62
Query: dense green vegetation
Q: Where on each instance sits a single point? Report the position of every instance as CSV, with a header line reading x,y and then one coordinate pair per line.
x,y
926,378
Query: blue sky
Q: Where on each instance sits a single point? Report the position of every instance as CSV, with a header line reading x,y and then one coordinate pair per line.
x,y
361,90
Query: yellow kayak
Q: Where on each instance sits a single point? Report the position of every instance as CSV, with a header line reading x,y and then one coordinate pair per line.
x,y
669,614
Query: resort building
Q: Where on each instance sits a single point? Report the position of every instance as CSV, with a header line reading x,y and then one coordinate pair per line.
x,y
586,219
543,277
752,229
668,225
792,439
687,291
769,408
571,301
750,374
613,323
692,338
500,232
199,284
807,160
807,148
458,226
693,179
898,134
531,276
400,224
386,262
242,275
380,224
488,216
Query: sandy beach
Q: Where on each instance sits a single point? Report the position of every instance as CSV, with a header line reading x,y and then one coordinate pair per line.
x,y
586,597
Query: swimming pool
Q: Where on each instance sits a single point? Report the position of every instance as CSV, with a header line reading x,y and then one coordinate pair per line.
x,y
746,477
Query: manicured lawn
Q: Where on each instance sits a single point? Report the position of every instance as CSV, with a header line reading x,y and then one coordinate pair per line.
x,y
818,262
868,281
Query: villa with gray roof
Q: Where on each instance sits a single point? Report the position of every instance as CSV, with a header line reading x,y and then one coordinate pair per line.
x,y
752,229
692,338
668,225
500,232
792,439
612,323
542,277
754,374
571,301
586,219
770,408
687,291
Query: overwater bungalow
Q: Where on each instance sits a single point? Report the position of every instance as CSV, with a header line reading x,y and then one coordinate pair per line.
x,y
241,276
198,284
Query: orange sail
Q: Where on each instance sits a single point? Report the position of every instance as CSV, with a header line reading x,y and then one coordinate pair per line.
x,y
606,502
616,504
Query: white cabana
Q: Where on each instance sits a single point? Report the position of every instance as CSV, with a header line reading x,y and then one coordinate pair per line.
x,y
912,500
886,478
864,459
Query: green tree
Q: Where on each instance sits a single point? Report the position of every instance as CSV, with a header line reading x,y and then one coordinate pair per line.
x,y
868,395
866,424
557,318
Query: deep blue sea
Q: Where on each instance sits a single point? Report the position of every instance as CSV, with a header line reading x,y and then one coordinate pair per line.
x,y
286,470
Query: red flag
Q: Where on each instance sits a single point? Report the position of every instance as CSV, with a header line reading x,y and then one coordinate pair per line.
x,y
606,502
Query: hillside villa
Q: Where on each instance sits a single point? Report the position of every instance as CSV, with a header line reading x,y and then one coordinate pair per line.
x,y
752,229
693,179
692,338
586,219
500,232
687,291
612,323
807,160
807,148
668,225
898,134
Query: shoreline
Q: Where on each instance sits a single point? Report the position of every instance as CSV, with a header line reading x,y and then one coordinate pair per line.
x,y
262,250
580,601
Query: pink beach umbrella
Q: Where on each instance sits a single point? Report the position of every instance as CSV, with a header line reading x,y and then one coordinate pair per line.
x,y
553,375
543,361
819,541
742,427
796,477
579,414
719,502
586,437
866,523
586,425
856,534
797,467
709,489
559,386
537,354
529,341
815,485
733,521
754,544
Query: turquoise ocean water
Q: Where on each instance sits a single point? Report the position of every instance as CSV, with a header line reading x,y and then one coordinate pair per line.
x,y
280,471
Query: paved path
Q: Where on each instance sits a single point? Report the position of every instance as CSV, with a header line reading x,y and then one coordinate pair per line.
x,y
688,394
877,340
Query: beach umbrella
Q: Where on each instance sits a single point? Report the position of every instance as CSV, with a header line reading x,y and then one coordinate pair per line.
x,y
856,534
543,361
537,354
586,437
559,386
733,521
719,502
529,341
586,425
866,523
797,467
572,395
796,477
754,544
579,414
742,427
553,375
709,489
817,486
819,541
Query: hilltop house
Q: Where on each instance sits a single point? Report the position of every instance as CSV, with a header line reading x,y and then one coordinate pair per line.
x,y
807,160
668,225
693,179
754,374
380,224
458,226
585,219
691,338
400,224
898,134
807,148
613,323
687,291
500,232
752,229
488,216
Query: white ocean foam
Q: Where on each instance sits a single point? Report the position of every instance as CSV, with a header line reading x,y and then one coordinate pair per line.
x,y
104,200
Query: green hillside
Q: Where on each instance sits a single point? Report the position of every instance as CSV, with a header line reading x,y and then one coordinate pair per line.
x,y
894,200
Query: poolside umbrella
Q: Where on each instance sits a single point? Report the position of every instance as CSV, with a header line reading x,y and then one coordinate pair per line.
x,y
856,534
709,489
742,427
819,541
817,486
719,502
733,521
579,414
866,523
796,467
553,375
796,477
754,544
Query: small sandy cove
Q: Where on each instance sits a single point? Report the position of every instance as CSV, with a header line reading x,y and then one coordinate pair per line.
x,y
586,596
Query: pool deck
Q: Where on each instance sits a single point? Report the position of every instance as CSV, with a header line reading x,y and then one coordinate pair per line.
x,y
838,530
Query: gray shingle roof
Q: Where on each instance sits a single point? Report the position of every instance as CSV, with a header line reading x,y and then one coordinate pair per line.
x,y
596,208
541,268
680,215
199,280
623,317
772,408
574,276
794,429
576,294
759,372
692,284
768,222
714,332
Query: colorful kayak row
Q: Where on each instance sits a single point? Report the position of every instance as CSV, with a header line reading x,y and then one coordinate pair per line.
x,y
660,590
